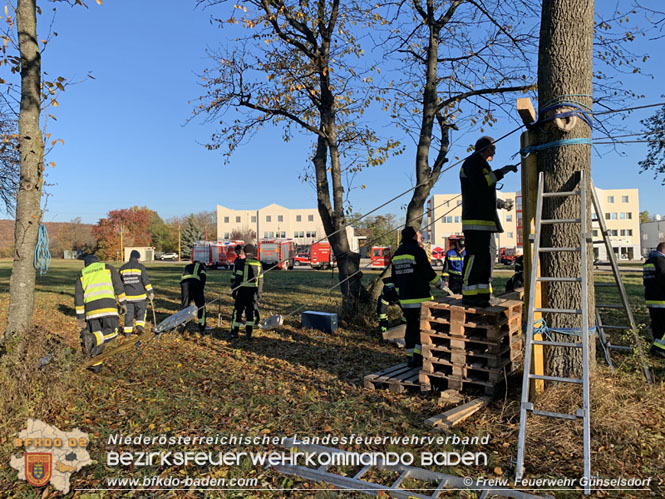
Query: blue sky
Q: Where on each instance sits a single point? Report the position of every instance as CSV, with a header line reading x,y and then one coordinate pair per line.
x,y
126,141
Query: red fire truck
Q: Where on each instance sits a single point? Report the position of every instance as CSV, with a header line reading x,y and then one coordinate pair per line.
x,y
321,255
381,256
277,252
220,254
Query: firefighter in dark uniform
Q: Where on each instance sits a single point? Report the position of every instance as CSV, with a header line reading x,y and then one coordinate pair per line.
x,y
246,291
138,291
412,274
192,285
388,297
453,266
654,295
97,287
480,221
517,279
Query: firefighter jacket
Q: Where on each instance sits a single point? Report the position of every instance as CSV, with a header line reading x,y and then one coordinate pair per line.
x,y
654,280
248,273
195,270
135,279
478,183
454,263
412,274
97,286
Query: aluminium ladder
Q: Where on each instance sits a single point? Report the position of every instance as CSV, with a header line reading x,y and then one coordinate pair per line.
x,y
526,406
625,305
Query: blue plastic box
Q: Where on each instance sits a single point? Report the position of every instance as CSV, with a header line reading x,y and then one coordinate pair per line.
x,y
323,321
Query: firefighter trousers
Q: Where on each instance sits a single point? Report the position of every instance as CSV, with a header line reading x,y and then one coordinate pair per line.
x,y
192,290
455,283
412,335
658,327
135,310
247,302
478,265
96,334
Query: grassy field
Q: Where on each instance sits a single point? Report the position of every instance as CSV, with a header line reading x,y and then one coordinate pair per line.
x,y
290,381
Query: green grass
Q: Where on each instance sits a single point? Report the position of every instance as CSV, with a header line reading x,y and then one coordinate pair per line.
x,y
284,382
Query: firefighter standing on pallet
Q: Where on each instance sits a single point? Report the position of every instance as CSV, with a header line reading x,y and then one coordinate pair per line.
x,y
192,286
480,221
97,287
453,266
246,290
654,295
138,291
412,274
388,297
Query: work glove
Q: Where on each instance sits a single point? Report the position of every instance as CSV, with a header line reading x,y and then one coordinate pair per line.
x,y
123,308
508,169
81,323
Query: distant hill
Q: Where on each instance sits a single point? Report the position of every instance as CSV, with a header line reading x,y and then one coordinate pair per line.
x,y
61,236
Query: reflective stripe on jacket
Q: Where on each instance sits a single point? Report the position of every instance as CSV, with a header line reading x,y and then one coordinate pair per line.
x,y
194,270
135,279
412,274
248,273
454,263
478,183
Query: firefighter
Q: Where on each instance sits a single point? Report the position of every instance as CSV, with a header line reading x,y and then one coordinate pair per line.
x,y
138,291
412,274
654,295
453,266
480,221
388,297
246,291
517,279
192,285
97,287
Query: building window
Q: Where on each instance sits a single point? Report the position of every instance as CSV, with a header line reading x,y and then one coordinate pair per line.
x,y
509,218
510,235
226,220
622,216
237,220
624,199
310,218
629,232
595,233
268,235
253,219
298,218
629,215
283,235
226,235
623,232
280,218
449,220
457,219
614,232
613,216
610,199
607,216
268,218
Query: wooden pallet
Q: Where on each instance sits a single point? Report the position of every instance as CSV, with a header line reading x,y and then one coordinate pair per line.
x,y
474,329
428,381
493,346
478,371
451,310
462,357
396,378
457,414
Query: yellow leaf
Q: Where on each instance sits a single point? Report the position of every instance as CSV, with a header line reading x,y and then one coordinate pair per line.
x,y
52,164
151,426
99,2
498,471
6,11
55,103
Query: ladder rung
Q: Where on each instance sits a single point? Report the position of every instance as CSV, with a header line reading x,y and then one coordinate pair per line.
x,y
362,472
621,328
556,378
552,250
559,279
400,479
605,285
440,487
558,310
556,343
607,305
619,347
561,221
560,194
559,415
598,241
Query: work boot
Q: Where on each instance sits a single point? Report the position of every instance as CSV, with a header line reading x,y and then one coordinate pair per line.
x,y
202,328
95,369
233,335
248,332
140,330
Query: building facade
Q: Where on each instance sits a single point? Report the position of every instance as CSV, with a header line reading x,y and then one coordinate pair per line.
x,y
304,226
652,233
620,209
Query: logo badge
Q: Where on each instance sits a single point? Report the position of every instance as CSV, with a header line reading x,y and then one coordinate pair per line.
x,y
38,468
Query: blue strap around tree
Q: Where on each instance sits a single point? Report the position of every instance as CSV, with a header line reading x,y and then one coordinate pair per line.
x,y
42,253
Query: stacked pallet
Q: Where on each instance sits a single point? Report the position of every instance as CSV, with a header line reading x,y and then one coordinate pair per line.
x,y
463,347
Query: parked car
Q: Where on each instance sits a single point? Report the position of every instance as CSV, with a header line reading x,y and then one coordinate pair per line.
x,y
302,259
169,256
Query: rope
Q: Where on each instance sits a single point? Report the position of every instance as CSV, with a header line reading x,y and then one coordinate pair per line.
x,y
549,145
42,253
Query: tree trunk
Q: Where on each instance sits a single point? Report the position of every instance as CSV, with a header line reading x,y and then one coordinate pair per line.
x,y
31,148
564,75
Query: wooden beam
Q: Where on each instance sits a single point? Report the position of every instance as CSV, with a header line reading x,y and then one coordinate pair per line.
x,y
526,110
458,414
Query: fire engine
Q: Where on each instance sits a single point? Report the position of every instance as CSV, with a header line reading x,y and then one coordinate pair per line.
x,y
277,252
381,256
220,254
